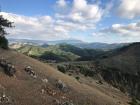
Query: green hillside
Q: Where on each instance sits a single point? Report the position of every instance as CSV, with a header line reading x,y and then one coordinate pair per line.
x,y
50,53
62,52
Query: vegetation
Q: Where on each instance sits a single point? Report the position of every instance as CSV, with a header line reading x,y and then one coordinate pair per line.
x,y
62,68
76,68
121,69
134,102
85,54
3,24
59,53
49,53
78,78
87,71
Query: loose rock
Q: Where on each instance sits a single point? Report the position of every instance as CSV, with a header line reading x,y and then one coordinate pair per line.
x,y
45,80
9,68
62,86
4,99
30,71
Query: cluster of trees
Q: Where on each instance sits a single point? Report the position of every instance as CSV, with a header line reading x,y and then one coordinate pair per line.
x,y
62,68
3,24
85,70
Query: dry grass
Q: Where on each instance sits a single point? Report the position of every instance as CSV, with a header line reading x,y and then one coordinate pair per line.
x,y
25,90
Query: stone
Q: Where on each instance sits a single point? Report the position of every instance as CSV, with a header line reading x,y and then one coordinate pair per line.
x,y
61,85
30,71
4,99
9,68
45,80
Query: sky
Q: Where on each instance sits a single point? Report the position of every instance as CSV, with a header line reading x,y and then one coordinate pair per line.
x,y
108,21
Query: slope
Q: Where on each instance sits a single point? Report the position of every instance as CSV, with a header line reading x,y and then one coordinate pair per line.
x,y
22,89
121,68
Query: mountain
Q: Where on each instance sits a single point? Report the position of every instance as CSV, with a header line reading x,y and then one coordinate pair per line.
x,y
52,52
121,68
42,42
26,41
101,46
49,86
70,41
76,43
85,54
61,52
126,58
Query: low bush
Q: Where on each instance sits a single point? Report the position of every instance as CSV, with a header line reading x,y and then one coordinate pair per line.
x,y
134,102
78,78
62,68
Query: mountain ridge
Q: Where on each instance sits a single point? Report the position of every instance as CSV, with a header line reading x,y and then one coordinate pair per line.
x,y
77,43
122,69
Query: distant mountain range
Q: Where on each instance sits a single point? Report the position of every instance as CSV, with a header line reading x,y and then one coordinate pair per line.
x,y
102,46
40,42
76,43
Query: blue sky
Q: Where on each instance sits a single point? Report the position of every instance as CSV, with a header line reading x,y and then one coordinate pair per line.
x,y
28,7
111,21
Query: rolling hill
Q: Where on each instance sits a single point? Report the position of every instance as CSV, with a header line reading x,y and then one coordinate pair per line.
x,y
61,52
49,85
49,53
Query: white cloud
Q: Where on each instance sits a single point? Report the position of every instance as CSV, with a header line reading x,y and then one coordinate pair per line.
x,y
129,30
82,15
82,10
43,27
61,3
129,8
71,26
80,5
119,33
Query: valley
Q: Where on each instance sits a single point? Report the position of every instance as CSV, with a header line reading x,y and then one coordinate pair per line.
x,y
98,73
70,52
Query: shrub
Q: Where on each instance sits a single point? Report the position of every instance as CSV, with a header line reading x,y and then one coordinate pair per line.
x,y
78,78
70,74
100,82
122,89
134,102
61,68
87,71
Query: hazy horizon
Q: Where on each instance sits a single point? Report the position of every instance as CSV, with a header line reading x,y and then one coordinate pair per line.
x,y
70,40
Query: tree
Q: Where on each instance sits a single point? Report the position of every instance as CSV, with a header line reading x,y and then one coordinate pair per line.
x,y
3,24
